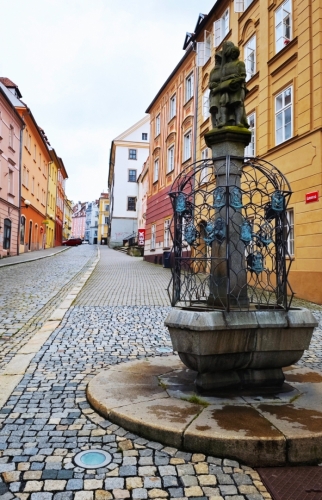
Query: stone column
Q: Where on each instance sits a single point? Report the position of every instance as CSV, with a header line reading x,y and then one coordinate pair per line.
x,y
228,281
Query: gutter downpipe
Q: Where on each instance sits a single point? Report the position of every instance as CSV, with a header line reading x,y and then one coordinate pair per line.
x,y
20,180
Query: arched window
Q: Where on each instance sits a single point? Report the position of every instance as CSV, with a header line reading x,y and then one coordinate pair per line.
x,y
7,234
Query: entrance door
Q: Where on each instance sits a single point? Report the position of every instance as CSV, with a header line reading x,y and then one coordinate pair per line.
x,y
7,234
30,235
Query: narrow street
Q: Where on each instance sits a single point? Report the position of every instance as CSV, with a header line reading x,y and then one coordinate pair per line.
x,y
116,317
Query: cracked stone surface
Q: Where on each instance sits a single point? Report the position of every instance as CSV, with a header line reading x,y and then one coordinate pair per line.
x,y
47,419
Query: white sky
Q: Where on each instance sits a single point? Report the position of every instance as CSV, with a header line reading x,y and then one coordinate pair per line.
x,y
88,69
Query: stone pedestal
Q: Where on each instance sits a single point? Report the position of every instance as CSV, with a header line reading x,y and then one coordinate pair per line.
x,y
225,143
240,349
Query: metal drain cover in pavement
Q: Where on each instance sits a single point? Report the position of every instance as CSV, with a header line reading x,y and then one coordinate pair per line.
x,y
92,459
293,483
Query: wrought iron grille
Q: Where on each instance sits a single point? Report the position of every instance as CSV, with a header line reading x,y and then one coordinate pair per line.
x,y
230,236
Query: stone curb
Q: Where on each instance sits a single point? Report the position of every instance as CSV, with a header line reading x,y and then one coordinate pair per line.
x,y
155,399
17,366
36,258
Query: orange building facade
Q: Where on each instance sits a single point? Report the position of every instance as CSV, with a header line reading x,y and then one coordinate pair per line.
x,y
172,138
280,42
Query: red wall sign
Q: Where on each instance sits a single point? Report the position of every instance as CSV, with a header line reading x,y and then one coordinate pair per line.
x,y
141,237
314,196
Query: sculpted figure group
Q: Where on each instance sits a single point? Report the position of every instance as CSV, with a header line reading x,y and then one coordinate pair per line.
x,y
228,89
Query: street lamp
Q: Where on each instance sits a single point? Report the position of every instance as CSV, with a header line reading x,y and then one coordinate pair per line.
x,y
27,204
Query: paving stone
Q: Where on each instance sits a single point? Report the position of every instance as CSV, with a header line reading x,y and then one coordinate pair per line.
x,y
139,493
33,486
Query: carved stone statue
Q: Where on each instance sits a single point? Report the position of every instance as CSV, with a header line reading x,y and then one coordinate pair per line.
x,y
228,89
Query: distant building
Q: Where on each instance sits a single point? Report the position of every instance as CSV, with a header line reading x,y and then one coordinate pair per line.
x,y
103,219
128,153
61,179
68,212
11,126
78,220
91,222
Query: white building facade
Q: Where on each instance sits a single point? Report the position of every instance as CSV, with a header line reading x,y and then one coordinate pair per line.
x,y
129,152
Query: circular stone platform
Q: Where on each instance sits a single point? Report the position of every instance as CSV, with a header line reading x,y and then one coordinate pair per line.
x,y
156,398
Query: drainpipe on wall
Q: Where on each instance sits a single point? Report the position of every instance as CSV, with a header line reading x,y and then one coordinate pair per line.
x,y
20,180
195,118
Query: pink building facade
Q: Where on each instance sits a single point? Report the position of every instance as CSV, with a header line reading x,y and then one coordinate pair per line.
x,y
11,126
78,220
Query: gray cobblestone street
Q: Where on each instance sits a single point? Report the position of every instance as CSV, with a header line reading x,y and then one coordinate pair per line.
x,y
117,317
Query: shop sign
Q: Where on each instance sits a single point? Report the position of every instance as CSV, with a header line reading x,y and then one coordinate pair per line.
x,y
314,196
141,237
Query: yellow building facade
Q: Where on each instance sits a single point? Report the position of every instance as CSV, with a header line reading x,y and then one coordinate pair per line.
x,y
51,199
103,219
68,212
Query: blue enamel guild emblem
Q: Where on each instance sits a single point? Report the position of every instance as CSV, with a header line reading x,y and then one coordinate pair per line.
x,y
278,201
190,234
236,198
180,203
219,197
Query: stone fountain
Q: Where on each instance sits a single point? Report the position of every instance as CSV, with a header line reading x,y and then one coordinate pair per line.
x,y
232,320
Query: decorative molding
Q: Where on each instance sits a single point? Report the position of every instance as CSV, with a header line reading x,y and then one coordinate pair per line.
x,y
253,90
282,66
272,6
245,27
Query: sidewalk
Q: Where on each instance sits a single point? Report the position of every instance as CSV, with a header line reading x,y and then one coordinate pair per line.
x,y
30,256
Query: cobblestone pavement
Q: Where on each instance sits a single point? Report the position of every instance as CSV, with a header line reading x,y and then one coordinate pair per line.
x,y
47,419
30,292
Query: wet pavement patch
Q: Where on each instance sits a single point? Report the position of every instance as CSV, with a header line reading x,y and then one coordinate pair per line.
x,y
293,483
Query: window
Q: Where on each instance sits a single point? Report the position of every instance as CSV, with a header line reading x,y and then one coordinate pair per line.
x,y
290,231
35,152
250,57
107,207
205,104
27,179
144,136
283,116
38,190
0,125
132,175
10,182
106,220
250,149
189,87
157,125
156,170
132,154
204,49
153,238
221,28
283,19
166,241
39,166
173,110
131,203
24,175
11,136
187,146
241,5
170,165
206,169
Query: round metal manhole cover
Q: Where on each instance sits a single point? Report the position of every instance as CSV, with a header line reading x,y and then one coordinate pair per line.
x,y
92,459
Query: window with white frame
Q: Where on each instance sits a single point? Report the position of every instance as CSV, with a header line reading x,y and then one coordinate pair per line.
x,y
241,5
204,49
250,57
156,170
290,231
153,237
157,125
10,182
187,146
173,105
283,116
205,104
250,149
205,171
221,28
189,87
170,164
283,25
35,152
166,240
11,136
33,185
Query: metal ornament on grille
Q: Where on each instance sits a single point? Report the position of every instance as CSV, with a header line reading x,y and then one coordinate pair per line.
x,y
180,203
235,224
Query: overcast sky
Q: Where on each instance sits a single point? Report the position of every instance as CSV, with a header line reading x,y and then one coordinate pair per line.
x,y
88,69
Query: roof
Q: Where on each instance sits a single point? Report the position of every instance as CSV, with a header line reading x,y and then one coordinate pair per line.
x,y
12,98
3,91
189,50
9,83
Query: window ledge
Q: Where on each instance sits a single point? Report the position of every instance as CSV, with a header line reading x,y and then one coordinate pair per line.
x,y
207,63
185,161
223,40
172,119
11,149
170,172
188,101
282,144
205,122
282,51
